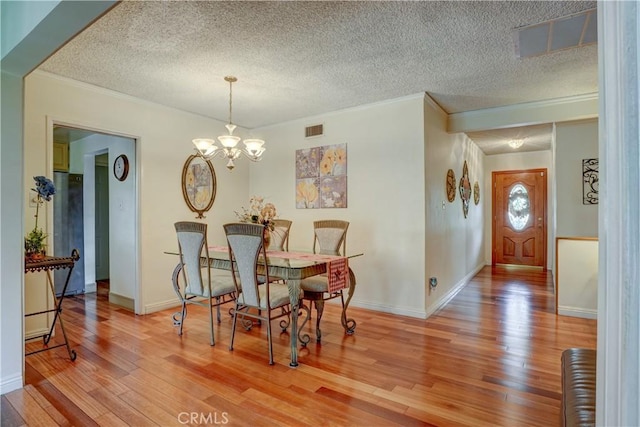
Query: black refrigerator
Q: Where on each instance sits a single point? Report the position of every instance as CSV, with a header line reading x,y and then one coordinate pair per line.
x,y
68,229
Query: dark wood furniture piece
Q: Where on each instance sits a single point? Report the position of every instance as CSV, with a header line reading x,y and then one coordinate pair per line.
x,y
47,264
578,387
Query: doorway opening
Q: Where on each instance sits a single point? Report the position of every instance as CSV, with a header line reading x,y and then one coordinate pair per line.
x,y
99,208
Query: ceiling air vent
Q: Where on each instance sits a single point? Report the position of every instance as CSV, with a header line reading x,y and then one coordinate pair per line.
x,y
567,32
315,130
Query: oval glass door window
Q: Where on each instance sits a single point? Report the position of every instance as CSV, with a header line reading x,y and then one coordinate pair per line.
x,y
519,207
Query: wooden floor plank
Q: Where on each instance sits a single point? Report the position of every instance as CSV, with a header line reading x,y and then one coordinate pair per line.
x,y
119,408
29,409
490,357
9,416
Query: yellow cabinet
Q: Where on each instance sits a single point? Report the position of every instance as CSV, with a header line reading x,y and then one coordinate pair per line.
x,y
61,156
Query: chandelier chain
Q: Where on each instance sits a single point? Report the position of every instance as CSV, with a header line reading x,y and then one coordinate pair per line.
x,y
230,100
231,80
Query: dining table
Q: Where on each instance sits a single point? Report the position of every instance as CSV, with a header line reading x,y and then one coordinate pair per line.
x,y
292,267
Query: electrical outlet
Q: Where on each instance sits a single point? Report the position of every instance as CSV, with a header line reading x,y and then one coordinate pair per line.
x,y
433,282
33,201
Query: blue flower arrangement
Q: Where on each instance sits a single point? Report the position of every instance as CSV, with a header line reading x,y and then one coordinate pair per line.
x,y
34,242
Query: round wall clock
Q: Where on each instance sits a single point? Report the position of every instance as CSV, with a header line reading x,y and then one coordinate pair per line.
x,y
121,167
451,185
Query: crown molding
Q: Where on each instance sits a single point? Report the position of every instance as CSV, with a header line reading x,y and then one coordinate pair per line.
x,y
322,116
434,105
556,110
118,95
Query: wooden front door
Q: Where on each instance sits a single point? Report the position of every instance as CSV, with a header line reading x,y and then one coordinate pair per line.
x,y
520,217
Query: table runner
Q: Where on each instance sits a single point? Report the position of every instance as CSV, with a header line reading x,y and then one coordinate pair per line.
x,y
337,266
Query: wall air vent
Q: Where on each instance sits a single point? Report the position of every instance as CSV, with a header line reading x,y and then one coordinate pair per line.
x,y
315,130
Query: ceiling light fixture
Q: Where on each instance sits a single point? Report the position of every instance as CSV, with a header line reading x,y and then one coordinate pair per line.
x,y
207,148
516,143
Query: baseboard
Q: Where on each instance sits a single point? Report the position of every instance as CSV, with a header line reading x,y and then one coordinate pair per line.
x,y
444,299
11,383
38,333
412,312
577,312
401,311
90,287
122,301
160,306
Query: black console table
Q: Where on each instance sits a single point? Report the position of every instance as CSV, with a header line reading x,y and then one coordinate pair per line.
x,y
47,264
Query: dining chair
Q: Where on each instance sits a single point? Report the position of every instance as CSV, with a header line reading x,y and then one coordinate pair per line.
x,y
329,238
280,235
269,300
209,289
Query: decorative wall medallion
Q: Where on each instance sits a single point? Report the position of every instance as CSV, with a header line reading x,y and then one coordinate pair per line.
x,y
476,193
451,185
465,189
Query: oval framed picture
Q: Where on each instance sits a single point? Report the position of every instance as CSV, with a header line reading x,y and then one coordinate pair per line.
x,y
198,184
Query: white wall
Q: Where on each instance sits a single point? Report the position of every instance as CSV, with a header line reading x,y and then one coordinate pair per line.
x,y
575,141
618,365
385,185
163,144
520,161
454,245
11,226
577,277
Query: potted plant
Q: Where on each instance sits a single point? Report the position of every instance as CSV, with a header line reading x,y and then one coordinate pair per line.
x,y
34,246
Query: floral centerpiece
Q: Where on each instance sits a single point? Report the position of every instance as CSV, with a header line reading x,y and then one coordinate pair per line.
x,y
34,246
258,212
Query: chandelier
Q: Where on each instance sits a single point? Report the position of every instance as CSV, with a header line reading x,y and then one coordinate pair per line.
x,y
516,143
207,148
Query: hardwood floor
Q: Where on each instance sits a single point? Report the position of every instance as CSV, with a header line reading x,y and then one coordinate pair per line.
x,y
489,357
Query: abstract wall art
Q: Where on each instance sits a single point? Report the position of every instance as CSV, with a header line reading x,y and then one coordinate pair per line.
x,y
321,177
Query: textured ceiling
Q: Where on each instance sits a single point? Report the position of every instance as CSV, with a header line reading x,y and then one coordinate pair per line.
x,y
298,59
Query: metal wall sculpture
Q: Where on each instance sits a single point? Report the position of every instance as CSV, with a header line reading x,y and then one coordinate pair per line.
x,y
590,181
451,185
465,189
